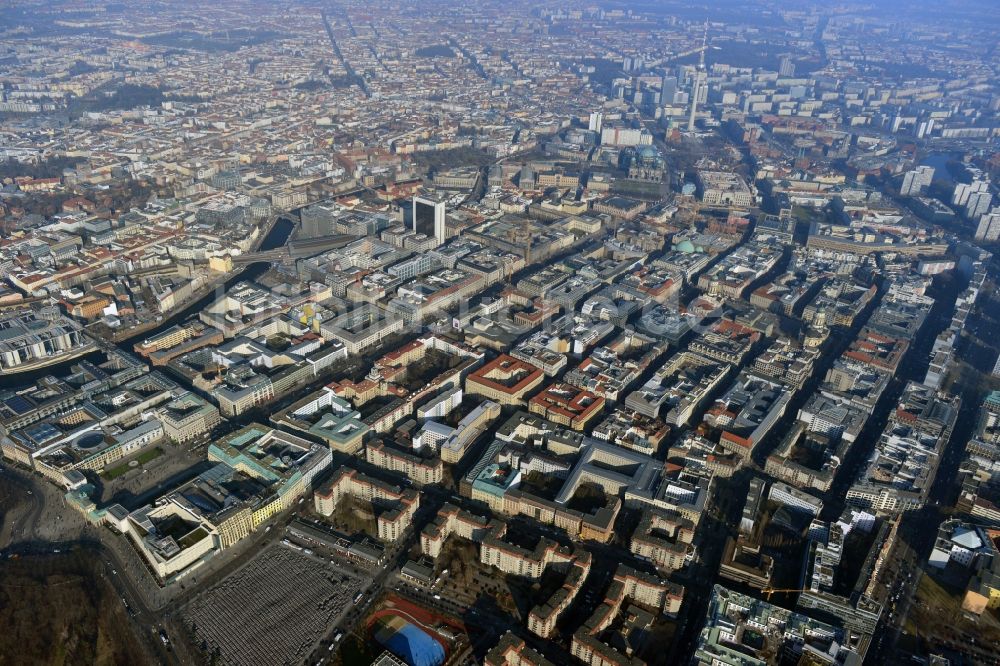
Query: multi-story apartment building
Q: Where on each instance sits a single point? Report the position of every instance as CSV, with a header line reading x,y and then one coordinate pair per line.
x,y
664,538
567,405
398,504
655,594
505,380
418,468
452,520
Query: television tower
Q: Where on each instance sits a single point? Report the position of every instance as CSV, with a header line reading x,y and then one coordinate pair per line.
x,y
699,79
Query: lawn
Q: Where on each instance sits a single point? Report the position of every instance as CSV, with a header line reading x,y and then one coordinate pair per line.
x,y
114,472
147,456
109,474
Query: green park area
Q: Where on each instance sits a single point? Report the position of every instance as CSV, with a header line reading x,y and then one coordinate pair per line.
x,y
111,473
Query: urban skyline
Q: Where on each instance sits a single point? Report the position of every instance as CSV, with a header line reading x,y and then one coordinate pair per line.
x,y
440,334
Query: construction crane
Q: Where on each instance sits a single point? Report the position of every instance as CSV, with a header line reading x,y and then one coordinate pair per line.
x,y
768,591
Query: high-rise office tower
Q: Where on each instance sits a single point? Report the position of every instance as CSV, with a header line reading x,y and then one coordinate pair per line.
x,y
668,87
596,120
317,220
429,217
696,94
632,64
989,226
786,67
916,181
979,203
965,190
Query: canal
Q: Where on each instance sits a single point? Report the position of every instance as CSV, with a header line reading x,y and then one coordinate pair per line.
x,y
277,237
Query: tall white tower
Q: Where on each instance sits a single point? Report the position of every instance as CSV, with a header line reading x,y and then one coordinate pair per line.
x,y
699,80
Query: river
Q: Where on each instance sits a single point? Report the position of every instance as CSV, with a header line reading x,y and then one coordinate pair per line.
x,y
940,163
277,237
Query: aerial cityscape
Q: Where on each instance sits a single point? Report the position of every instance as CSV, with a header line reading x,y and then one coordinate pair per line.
x,y
434,333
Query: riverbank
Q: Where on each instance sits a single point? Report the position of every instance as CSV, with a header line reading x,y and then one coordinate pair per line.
x,y
140,331
49,361
275,235
278,234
